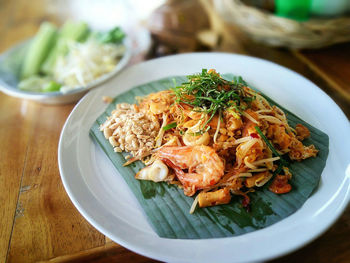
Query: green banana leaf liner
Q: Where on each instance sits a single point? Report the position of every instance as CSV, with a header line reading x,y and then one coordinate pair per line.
x,y
167,208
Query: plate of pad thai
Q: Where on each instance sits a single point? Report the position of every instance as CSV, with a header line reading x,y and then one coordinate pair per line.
x,y
214,138
208,156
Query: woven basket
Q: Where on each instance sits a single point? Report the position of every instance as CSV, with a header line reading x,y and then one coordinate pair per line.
x,y
267,28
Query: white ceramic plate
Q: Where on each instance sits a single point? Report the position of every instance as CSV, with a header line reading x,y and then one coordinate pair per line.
x,y
104,199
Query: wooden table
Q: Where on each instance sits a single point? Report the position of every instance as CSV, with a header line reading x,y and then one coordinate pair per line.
x,y
39,222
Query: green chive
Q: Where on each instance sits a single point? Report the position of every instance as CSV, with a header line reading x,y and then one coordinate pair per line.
x,y
208,98
170,126
278,170
268,143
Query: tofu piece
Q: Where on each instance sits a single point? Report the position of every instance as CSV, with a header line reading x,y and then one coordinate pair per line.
x,y
218,197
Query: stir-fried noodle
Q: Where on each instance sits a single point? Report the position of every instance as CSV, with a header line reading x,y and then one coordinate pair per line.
x,y
215,138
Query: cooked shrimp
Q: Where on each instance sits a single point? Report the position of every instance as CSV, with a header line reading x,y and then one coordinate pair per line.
x,y
205,168
191,139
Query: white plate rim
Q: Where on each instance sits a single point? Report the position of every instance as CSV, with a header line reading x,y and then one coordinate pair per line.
x,y
344,187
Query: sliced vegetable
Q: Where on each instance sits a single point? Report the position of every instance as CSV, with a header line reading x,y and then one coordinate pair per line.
x,y
34,83
77,31
85,62
39,49
70,32
170,126
115,35
52,86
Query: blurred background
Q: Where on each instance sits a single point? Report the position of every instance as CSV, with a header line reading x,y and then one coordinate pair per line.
x,y
307,36
39,221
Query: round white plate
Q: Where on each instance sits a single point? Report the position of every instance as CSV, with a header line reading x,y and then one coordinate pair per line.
x,y
104,199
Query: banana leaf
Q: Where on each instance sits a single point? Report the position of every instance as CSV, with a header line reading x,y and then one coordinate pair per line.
x,y
167,208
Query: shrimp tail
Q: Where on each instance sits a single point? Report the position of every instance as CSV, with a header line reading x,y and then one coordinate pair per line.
x,y
196,167
182,176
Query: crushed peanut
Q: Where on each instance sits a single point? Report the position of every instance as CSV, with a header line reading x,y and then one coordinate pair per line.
x,y
107,99
130,130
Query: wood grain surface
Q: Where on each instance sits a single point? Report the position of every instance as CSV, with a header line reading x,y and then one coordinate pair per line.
x,y
39,222
13,156
332,64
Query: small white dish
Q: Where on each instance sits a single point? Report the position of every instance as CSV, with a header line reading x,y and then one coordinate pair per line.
x,y
11,60
104,199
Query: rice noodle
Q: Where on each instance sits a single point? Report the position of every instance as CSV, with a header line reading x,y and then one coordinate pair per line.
x,y
284,151
136,158
271,119
196,127
266,160
250,117
194,204
263,100
242,140
244,175
228,182
257,170
260,104
280,117
261,143
279,112
150,160
237,175
248,164
292,129
173,140
168,143
161,132
264,181
217,130
263,111
279,152
245,147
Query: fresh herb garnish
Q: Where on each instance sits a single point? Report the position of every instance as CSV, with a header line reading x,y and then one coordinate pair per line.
x,y
282,162
115,35
170,126
278,170
208,92
273,149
